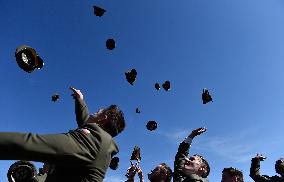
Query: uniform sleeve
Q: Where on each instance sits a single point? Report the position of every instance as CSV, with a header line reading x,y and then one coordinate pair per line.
x,y
81,111
254,172
179,159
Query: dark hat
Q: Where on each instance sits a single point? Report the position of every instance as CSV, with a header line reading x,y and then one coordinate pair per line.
x,y
99,11
55,97
114,163
136,155
110,44
206,97
167,85
151,125
131,76
28,59
22,171
157,86
137,110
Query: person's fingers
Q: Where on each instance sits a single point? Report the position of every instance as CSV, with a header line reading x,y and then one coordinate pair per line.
x,y
72,88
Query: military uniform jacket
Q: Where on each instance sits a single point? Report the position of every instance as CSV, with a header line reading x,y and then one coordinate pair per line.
x,y
179,162
255,175
97,148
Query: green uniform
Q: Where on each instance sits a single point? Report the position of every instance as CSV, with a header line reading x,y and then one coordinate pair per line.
x,y
179,176
255,175
78,156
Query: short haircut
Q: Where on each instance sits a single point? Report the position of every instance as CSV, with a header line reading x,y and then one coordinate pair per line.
x,y
117,123
169,171
234,172
204,164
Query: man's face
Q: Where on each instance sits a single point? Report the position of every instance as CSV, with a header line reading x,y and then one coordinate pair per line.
x,y
159,174
99,117
192,165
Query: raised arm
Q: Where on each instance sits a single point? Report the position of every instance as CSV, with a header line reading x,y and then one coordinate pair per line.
x,y
255,168
81,109
182,152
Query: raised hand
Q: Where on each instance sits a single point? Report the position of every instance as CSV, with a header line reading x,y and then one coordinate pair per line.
x,y
139,172
197,131
260,157
131,171
76,93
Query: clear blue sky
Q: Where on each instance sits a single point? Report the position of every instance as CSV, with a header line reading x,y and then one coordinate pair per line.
x,y
233,48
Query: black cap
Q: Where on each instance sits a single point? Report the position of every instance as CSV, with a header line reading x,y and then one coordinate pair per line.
x,y
206,97
136,155
137,110
99,11
131,76
21,171
55,97
114,163
28,59
167,85
110,44
151,125
157,86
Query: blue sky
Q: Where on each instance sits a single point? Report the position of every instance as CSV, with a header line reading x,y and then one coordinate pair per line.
x,y
233,48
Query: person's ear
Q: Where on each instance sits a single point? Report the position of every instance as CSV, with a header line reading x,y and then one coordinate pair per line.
x,y
102,117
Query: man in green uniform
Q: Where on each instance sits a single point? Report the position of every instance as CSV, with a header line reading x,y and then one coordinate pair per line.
x,y
255,167
232,175
81,155
190,169
161,173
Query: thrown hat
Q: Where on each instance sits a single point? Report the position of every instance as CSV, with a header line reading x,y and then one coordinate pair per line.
x,y
131,76
151,125
206,97
22,171
28,59
55,97
110,44
137,110
136,155
99,11
167,85
114,163
157,86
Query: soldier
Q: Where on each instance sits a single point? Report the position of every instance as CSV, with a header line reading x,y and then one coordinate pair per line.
x,y
82,154
161,173
232,175
190,169
255,167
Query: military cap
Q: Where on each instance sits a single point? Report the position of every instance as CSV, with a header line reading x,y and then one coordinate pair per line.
x,y
151,125
114,163
28,59
99,11
22,171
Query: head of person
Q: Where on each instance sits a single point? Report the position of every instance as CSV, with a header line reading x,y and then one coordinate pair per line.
x,y
110,119
232,175
279,166
161,173
196,164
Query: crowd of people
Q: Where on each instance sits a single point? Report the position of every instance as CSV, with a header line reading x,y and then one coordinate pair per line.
x,y
84,154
